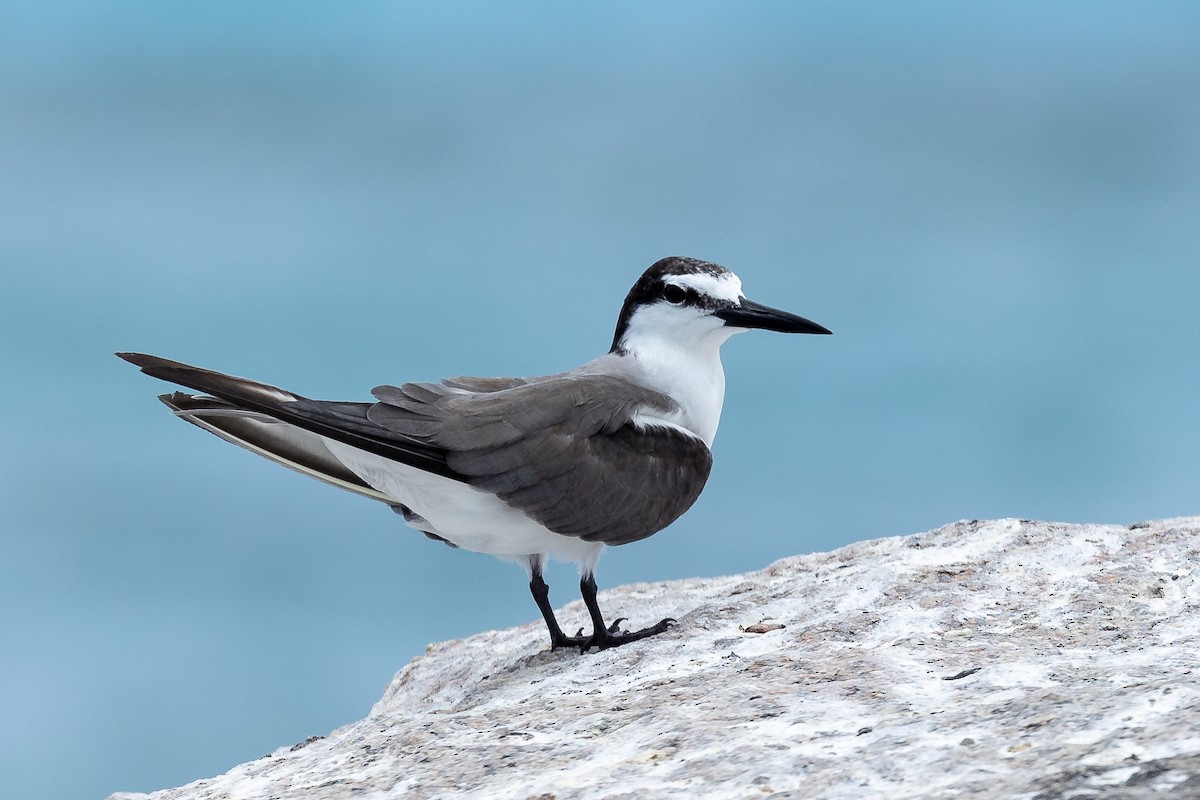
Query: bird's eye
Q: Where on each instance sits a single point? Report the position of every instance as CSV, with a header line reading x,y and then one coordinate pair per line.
x,y
674,294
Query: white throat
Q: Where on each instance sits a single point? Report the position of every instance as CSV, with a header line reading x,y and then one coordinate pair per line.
x,y
684,364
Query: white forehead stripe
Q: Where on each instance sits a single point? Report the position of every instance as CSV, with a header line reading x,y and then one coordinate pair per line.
x,y
726,286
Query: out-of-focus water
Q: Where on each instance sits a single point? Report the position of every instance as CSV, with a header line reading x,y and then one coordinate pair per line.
x,y
995,207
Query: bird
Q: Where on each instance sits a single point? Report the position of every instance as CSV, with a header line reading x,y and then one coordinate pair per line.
x,y
526,469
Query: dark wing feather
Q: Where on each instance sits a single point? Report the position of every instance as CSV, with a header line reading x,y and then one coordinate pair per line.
x,y
613,488
484,384
561,449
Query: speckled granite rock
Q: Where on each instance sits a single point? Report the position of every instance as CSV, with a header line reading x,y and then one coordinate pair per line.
x,y
998,659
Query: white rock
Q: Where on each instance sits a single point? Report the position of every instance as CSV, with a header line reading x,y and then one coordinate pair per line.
x,y
984,659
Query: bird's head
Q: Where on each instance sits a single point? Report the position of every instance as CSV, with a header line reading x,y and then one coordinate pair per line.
x,y
691,303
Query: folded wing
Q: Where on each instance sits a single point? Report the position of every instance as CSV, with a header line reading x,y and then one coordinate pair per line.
x,y
562,449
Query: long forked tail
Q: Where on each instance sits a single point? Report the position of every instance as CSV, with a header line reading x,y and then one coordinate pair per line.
x,y
343,422
246,413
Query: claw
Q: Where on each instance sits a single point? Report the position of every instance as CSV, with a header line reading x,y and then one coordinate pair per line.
x,y
578,640
607,637
616,625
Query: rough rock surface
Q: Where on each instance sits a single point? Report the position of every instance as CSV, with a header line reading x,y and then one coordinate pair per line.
x,y
1003,659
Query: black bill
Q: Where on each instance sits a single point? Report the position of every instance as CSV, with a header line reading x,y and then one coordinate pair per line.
x,y
750,314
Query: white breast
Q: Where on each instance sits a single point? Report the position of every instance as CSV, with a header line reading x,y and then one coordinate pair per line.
x,y
678,352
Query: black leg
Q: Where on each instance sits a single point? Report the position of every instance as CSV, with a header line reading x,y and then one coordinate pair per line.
x,y
611,635
541,596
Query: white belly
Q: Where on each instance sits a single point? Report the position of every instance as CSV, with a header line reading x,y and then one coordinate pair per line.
x,y
469,518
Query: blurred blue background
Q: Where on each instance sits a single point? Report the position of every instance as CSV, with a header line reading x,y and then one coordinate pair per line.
x,y
996,207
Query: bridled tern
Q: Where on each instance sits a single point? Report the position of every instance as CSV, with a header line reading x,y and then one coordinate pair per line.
x,y
523,468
